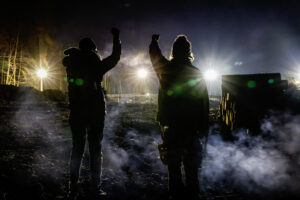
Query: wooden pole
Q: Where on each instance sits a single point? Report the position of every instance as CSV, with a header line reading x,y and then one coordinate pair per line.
x,y
2,71
7,82
20,68
14,61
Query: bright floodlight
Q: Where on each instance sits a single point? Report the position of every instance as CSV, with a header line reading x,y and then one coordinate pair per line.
x,y
42,73
142,73
210,75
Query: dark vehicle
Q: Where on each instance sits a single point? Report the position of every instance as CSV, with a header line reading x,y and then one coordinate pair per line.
x,y
247,99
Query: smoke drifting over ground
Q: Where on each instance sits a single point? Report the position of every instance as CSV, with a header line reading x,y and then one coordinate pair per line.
x,y
131,165
130,155
37,142
257,164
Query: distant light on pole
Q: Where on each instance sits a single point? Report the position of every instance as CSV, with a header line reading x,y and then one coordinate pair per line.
x,y
142,73
41,73
210,75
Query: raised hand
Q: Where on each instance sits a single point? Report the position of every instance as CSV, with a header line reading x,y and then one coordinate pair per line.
x,y
155,37
115,32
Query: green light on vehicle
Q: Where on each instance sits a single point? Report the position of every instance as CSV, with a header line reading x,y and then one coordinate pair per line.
x,y
271,81
251,84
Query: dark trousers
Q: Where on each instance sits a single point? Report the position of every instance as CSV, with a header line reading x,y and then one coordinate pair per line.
x,y
183,147
94,134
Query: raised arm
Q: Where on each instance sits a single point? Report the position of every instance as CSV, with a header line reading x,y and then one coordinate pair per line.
x,y
157,59
112,60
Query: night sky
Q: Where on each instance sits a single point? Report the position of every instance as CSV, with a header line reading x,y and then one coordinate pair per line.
x,y
230,36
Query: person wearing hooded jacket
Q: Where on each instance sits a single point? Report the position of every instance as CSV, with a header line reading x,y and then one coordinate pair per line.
x,y
85,71
183,115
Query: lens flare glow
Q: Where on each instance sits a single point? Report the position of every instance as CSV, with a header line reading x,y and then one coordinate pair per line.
x,y
142,73
210,75
42,73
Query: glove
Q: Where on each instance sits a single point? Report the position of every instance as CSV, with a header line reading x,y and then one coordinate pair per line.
x,y
155,37
115,32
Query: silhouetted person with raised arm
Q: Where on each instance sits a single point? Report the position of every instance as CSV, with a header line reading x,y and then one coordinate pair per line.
x,y
85,71
183,108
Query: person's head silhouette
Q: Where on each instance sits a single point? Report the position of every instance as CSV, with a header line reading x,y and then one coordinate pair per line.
x,y
182,49
87,44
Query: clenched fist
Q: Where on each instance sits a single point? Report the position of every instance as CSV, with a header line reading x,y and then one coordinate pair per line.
x,y
155,37
115,32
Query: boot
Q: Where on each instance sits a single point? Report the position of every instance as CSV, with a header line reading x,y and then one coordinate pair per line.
x,y
73,191
97,192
